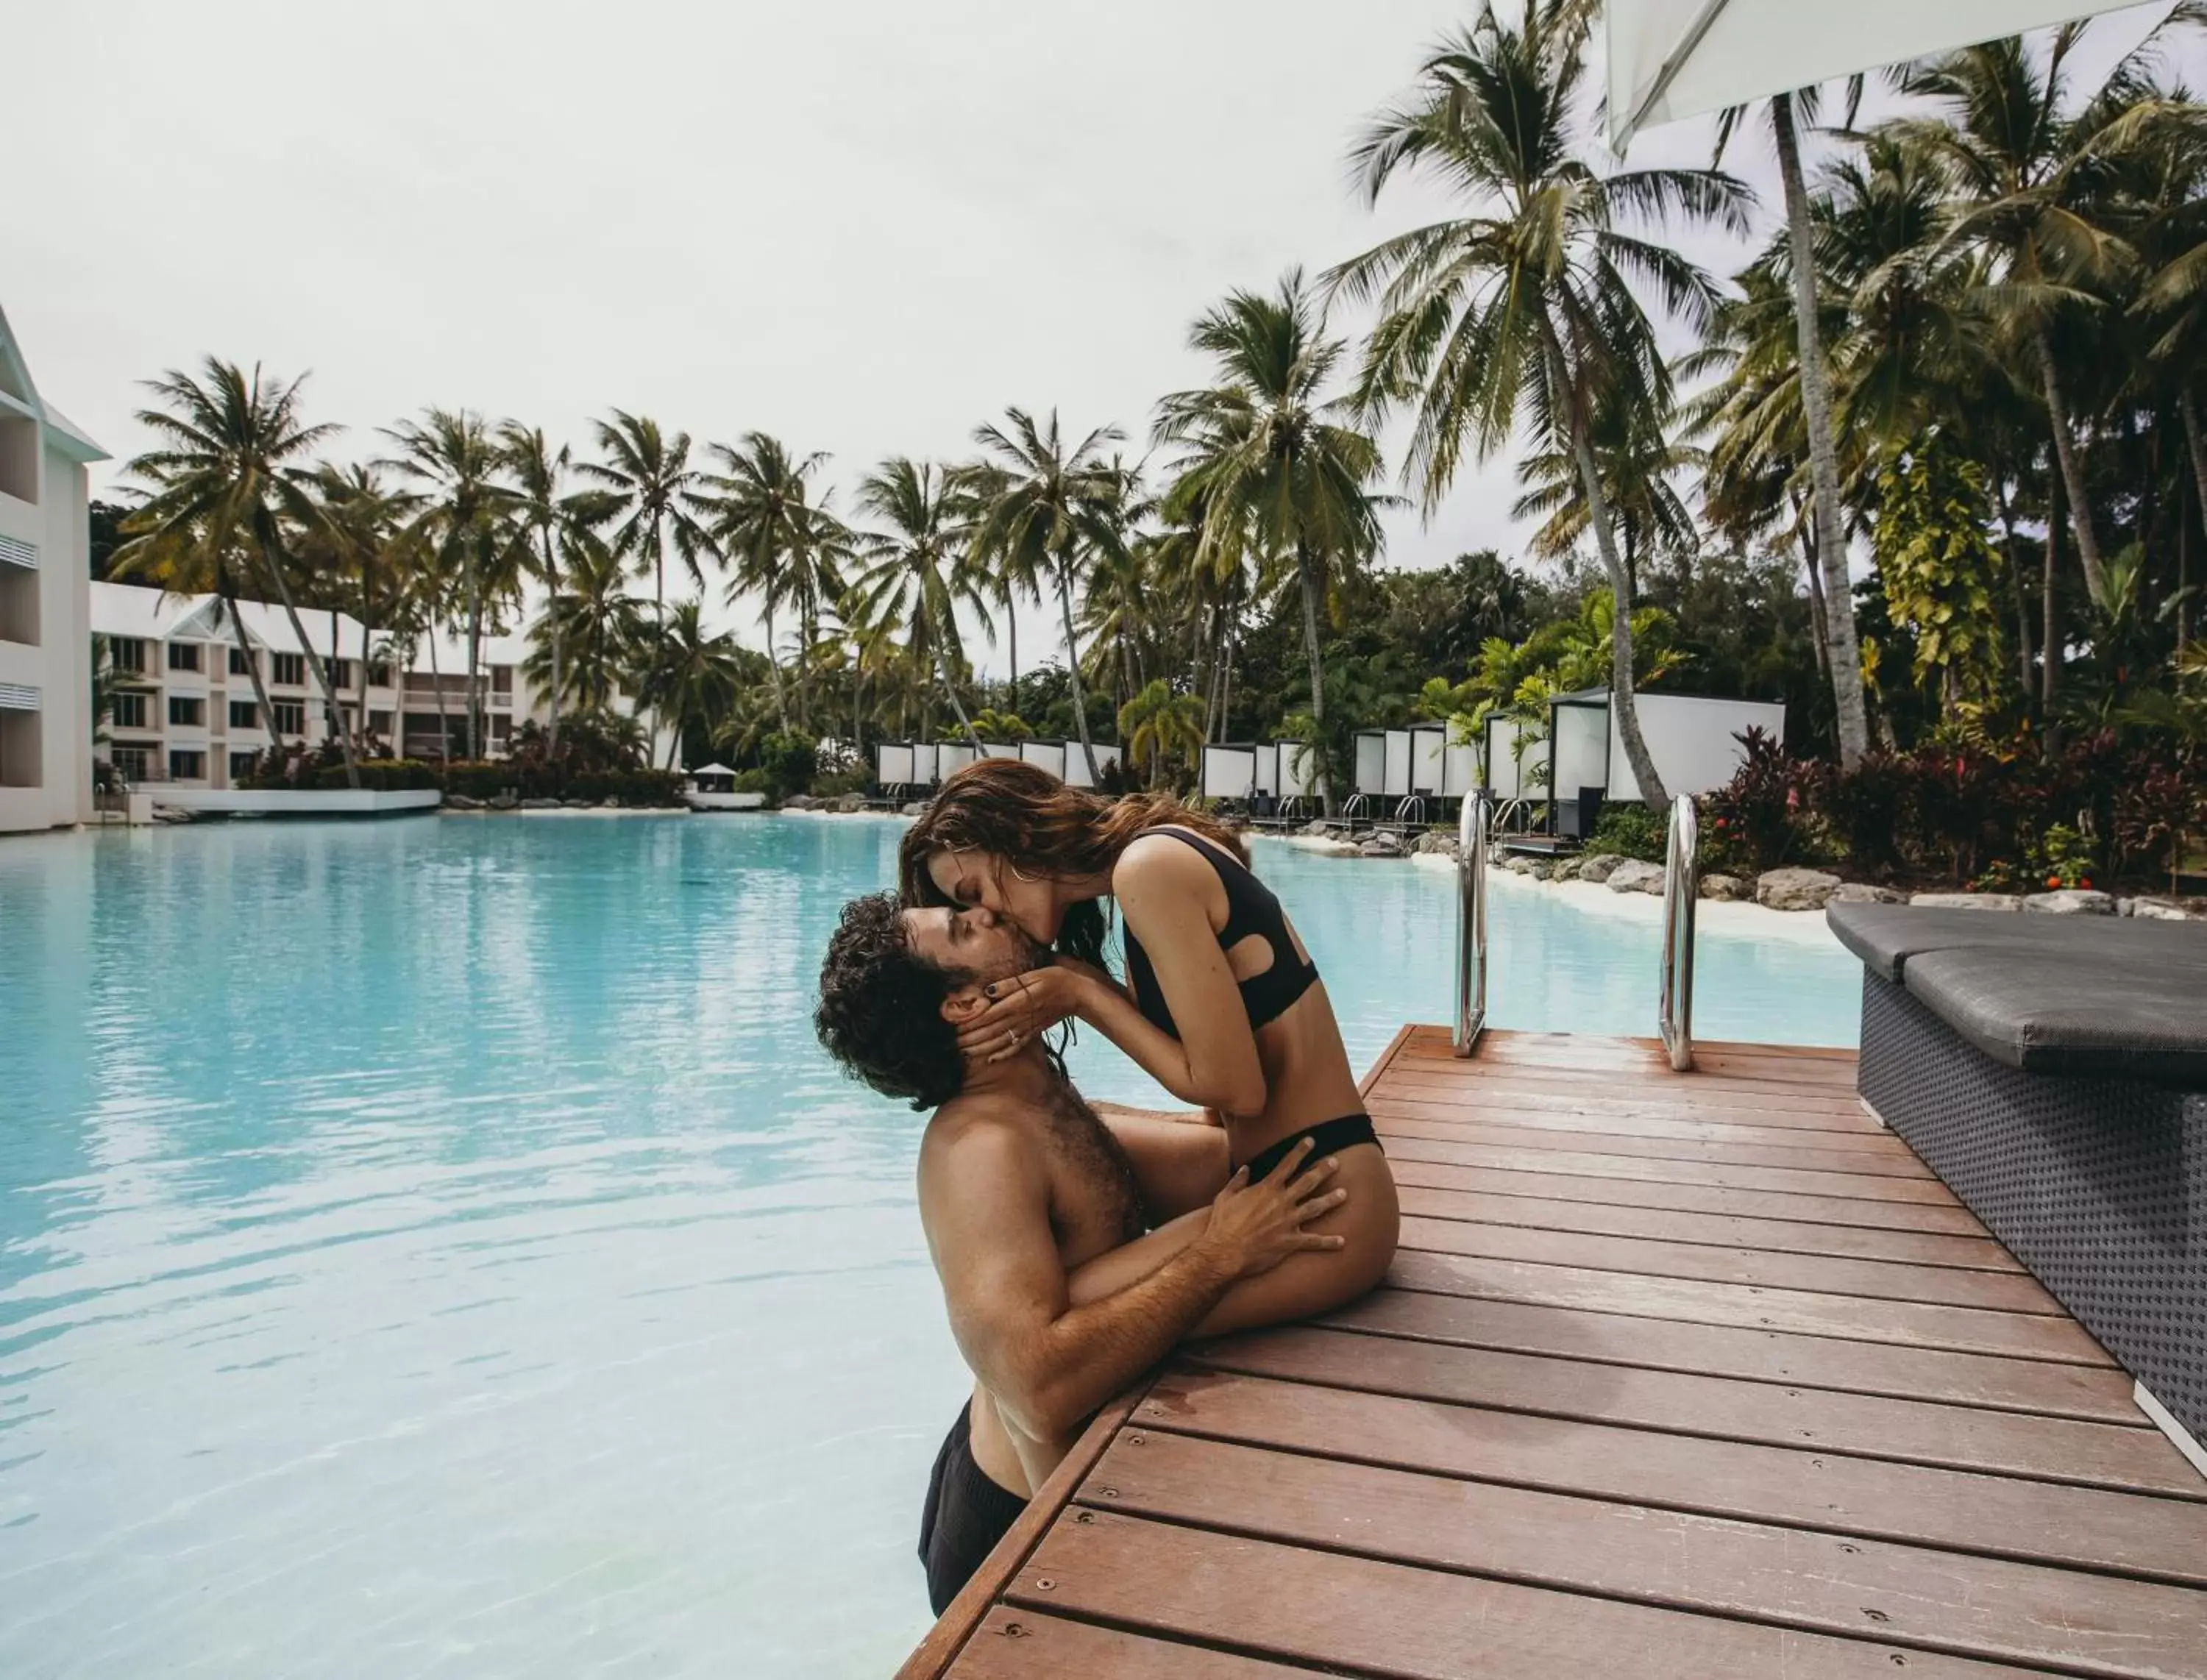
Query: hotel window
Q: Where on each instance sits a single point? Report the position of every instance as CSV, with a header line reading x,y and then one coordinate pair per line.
x,y
292,670
183,657
379,723
240,665
244,714
187,767
130,712
290,716
127,653
501,679
187,711
341,674
242,765
501,727
130,762
378,674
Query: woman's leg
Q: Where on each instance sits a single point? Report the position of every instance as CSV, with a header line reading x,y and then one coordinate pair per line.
x,y
1181,1162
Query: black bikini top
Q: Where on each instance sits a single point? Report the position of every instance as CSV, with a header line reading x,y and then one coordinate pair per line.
x,y
1250,909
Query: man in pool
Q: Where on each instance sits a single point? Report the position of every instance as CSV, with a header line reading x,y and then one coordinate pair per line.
x,y
1021,1185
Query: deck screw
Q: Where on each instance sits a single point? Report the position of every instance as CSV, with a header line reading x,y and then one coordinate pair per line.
x,y
1107,1492
1899,1661
1136,1440
1850,1549
1015,1630
1084,1516
1875,1615
1043,1583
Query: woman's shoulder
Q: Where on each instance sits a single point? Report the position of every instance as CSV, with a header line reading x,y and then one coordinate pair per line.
x,y
1164,857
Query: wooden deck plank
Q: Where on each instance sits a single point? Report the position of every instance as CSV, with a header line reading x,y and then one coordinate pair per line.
x,y
1850,1317
1019,1644
1390,1124
2092,1393
2000,1517
1499,1207
1699,1374
1529,1179
1346,1614
1953,1436
1885,1280
1814,1582
1597,1163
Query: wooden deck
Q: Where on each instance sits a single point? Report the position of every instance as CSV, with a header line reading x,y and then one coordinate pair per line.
x,y
1700,1374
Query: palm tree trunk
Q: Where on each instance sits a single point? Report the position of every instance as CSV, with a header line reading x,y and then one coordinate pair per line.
x,y
1226,685
1307,575
2049,637
551,607
273,561
252,666
942,675
1012,635
2071,456
1073,667
359,689
475,652
1812,564
2196,448
2015,581
1624,703
773,664
444,725
1845,662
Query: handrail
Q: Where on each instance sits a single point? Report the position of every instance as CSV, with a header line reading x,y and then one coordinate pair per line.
x,y
1470,924
1680,892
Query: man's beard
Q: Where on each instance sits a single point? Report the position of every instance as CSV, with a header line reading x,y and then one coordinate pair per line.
x,y
1030,954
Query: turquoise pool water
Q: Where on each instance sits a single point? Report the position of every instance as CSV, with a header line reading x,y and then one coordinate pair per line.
x,y
437,1247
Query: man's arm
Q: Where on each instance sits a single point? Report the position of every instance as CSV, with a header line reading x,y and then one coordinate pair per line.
x,y
984,1199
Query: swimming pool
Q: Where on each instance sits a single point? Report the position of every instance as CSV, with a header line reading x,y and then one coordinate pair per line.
x,y
437,1247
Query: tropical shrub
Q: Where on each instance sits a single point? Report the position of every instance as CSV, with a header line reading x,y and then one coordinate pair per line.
x,y
382,775
1631,830
790,760
1754,821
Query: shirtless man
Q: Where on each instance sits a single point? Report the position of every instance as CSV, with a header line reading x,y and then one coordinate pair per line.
x,y
1021,1186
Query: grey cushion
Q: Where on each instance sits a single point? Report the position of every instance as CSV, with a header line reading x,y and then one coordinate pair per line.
x,y
2076,1013
1887,936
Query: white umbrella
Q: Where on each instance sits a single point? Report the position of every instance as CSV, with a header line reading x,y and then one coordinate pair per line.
x,y
1670,59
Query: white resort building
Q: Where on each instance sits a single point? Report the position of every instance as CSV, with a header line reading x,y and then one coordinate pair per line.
x,y
186,710
45,647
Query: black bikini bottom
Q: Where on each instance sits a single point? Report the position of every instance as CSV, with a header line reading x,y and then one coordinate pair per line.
x,y
1328,1137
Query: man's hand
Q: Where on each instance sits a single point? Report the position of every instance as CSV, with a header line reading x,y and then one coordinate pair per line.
x,y
1255,1227
1021,1009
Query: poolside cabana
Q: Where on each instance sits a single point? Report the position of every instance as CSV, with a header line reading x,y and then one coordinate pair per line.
x,y
1076,763
1429,761
1693,739
1514,758
1050,755
892,764
713,787
1230,772
952,756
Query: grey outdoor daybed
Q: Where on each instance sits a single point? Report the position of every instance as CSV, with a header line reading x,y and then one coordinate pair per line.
x,y
2053,1070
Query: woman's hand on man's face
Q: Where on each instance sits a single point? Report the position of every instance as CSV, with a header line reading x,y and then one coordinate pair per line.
x,y
1019,1009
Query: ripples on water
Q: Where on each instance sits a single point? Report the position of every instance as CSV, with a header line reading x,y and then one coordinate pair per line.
x,y
437,1247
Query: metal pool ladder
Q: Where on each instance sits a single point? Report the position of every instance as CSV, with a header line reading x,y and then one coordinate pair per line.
x,y
1682,886
1470,923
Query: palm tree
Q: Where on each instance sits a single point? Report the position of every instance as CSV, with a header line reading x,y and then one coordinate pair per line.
x,y
361,541
1837,620
782,545
464,526
1637,458
1524,308
546,513
228,481
919,570
1275,467
2030,180
592,617
1048,509
1158,724
656,489
688,675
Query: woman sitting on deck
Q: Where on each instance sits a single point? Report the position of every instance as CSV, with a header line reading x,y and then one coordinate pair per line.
x,y
1222,1006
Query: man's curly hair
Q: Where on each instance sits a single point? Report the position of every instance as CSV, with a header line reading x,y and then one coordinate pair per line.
x,y
881,1007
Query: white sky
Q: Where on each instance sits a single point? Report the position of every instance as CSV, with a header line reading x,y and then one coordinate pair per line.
x,y
862,226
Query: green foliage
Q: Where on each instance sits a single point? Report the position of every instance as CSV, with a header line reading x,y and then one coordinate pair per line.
x,y
790,760
1938,566
1161,729
752,780
991,724
383,775
1631,830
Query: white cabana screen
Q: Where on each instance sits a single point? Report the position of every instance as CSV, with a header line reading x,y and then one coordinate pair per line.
x,y
1670,59
1298,771
952,756
1460,770
1076,763
1229,772
1396,785
892,764
1050,755
1268,767
1693,740
1580,745
1370,776
1428,751
1517,759
923,764
1000,750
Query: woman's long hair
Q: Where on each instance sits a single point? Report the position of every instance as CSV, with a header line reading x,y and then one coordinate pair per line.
x,y
1041,826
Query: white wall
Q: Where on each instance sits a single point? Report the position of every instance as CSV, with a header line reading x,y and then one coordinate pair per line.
x,y
1692,741
58,666
1229,773
1510,772
1580,748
